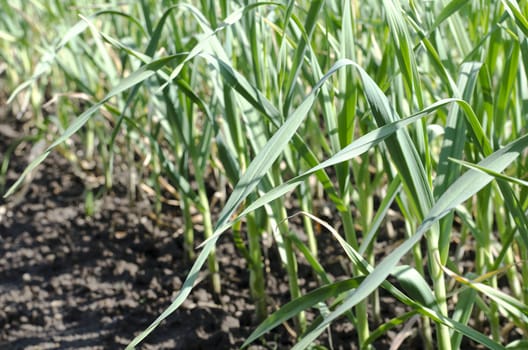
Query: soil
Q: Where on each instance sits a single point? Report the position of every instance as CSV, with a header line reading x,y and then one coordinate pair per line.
x,y
72,281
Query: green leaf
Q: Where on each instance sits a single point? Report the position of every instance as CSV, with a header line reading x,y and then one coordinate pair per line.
x,y
414,284
137,77
461,190
490,172
294,307
254,173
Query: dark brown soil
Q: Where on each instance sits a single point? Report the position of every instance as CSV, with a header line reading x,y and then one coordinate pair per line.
x,y
71,281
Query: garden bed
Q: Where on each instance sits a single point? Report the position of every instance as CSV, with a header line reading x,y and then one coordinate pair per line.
x,y
69,281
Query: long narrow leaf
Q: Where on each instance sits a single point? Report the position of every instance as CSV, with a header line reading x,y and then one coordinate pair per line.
x,y
461,190
133,79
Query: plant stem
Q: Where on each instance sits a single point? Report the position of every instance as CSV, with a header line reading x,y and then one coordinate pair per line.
x,y
439,285
281,215
256,272
188,232
208,232
361,309
306,205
